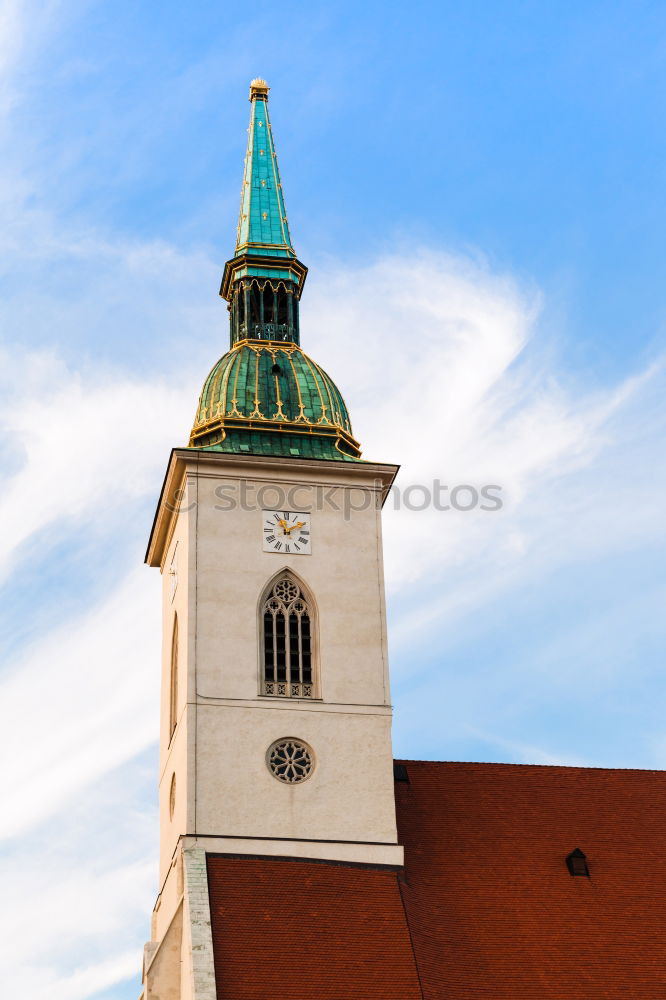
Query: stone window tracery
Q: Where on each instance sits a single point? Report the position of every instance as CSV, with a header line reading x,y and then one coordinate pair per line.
x,y
290,760
287,642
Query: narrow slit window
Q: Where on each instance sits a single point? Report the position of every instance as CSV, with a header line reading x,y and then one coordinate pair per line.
x,y
287,642
173,683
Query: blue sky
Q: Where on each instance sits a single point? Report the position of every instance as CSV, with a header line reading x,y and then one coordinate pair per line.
x,y
478,192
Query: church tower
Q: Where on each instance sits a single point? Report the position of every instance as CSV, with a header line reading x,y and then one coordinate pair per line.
x,y
281,876
275,735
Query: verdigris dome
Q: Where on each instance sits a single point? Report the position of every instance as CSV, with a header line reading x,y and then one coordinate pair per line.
x,y
272,399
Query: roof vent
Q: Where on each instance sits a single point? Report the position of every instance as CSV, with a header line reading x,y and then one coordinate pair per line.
x,y
577,863
400,772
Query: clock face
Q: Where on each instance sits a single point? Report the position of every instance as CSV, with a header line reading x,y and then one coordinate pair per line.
x,y
286,532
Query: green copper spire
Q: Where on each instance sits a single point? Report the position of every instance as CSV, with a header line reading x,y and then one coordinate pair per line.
x,y
262,225
264,279
265,396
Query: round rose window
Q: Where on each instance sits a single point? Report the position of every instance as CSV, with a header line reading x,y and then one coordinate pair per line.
x,y
290,760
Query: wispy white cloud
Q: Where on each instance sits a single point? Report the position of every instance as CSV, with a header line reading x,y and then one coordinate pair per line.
x,y
86,980
77,891
25,27
446,373
11,35
80,702
87,443
527,753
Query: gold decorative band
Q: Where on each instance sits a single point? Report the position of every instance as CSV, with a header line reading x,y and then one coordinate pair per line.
x,y
226,423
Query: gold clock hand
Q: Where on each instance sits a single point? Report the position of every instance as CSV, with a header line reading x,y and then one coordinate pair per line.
x,y
294,527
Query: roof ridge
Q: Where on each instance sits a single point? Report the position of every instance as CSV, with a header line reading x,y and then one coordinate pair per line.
x,y
559,767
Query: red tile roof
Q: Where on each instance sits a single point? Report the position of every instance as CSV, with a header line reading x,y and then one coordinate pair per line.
x,y
297,930
491,910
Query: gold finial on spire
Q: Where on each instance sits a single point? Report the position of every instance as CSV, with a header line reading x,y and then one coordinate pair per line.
x,y
258,88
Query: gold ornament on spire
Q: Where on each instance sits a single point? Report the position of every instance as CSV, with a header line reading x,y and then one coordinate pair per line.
x,y
258,88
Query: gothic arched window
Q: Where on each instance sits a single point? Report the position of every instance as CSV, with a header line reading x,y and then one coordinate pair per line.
x,y
173,681
287,647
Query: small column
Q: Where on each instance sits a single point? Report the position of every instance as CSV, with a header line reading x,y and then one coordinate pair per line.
x,y
297,334
261,311
290,314
246,306
233,317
